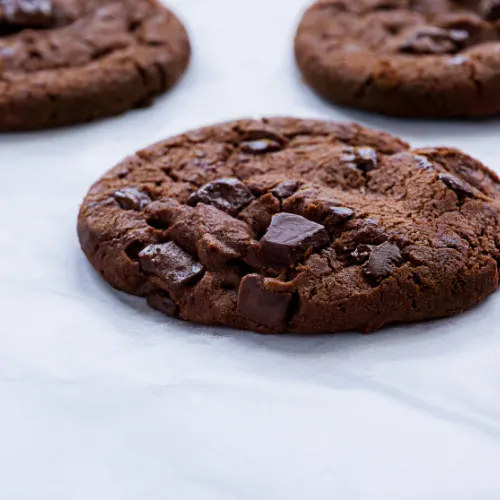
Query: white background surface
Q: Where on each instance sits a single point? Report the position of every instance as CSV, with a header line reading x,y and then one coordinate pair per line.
x,y
102,398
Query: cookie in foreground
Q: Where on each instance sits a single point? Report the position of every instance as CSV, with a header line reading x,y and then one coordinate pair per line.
x,y
69,61
412,58
289,225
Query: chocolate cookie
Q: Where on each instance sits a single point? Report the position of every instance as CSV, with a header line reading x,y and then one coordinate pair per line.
x,y
416,58
69,61
296,225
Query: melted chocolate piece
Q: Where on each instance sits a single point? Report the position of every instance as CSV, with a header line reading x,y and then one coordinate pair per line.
x,y
490,10
339,215
289,237
171,265
261,146
433,40
456,184
285,189
26,13
382,260
362,158
260,305
229,195
132,199
423,162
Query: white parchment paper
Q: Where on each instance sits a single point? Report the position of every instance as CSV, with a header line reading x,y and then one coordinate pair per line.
x,y
103,398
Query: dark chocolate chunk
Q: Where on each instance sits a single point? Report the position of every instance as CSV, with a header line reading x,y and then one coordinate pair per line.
x,y
434,40
171,265
464,21
257,134
285,189
362,253
456,184
229,195
162,302
260,305
362,158
382,260
27,13
289,237
261,146
338,215
131,199
490,10
423,162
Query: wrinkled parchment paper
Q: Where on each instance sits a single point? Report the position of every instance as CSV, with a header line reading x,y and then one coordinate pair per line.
x,y
103,398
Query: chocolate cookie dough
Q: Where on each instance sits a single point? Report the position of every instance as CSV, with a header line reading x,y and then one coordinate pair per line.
x,y
70,61
287,225
410,58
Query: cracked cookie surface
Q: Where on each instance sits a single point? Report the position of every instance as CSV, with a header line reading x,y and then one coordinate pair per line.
x,y
289,225
412,58
70,61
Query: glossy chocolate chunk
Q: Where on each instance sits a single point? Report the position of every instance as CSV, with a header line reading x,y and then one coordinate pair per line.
x,y
171,265
382,261
261,146
162,302
456,184
434,40
289,237
362,158
266,308
27,13
257,134
338,215
423,162
285,189
229,195
490,10
131,199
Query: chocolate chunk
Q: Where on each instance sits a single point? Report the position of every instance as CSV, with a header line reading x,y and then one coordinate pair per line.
x,y
285,189
229,195
289,237
162,302
362,158
456,184
464,21
423,162
171,265
131,199
433,40
362,253
27,13
262,306
490,10
382,260
338,215
261,146
257,134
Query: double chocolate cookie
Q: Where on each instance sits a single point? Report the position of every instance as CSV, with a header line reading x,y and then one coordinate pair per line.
x,y
296,225
70,61
415,58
